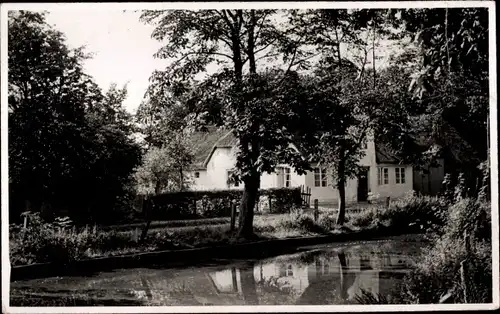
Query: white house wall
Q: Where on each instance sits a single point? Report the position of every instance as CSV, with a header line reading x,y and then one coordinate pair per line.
x,y
392,189
223,159
202,183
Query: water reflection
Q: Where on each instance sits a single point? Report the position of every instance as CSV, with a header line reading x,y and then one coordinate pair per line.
x,y
321,276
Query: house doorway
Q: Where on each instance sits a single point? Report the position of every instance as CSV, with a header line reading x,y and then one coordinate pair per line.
x,y
363,185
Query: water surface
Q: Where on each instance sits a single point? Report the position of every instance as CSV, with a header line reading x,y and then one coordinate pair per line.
x,y
319,275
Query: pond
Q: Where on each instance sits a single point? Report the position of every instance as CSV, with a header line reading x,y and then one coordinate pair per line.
x,y
317,275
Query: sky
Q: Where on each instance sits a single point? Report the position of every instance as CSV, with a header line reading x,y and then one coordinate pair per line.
x,y
122,46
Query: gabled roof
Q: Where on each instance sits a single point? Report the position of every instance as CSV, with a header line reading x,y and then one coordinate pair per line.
x,y
205,143
384,156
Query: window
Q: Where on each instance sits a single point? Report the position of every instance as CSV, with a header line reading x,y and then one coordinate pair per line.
x,y
400,175
289,271
364,144
383,175
196,174
319,177
288,181
231,181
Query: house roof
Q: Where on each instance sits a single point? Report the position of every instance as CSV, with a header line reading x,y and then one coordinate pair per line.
x,y
384,156
204,144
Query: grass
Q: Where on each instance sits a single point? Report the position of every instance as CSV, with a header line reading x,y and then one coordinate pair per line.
x,y
170,224
42,242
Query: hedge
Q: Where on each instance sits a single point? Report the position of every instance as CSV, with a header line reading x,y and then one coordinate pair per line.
x,y
217,203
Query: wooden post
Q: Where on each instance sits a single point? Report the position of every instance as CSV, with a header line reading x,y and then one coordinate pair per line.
x,y
316,211
387,201
462,278
233,216
463,266
270,203
25,221
136,234
307,197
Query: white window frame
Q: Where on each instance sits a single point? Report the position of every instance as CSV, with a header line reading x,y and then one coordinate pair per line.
x,y
383,175
287,179
320,179
400,173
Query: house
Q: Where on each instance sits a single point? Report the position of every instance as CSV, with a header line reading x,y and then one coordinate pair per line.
x,y
383,176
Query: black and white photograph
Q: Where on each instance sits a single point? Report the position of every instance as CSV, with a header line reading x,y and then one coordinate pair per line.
x,y
249,156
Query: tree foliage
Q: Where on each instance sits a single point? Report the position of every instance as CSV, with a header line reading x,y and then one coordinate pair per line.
x,y
69,144
449,84
163,169
234,45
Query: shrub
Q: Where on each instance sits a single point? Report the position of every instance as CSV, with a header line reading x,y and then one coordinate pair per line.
x,y
327,222
44,242
438,273
299,221
283,200
217,203
471,217
364,218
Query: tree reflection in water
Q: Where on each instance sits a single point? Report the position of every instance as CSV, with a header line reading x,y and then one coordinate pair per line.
x,y
248,285
328,287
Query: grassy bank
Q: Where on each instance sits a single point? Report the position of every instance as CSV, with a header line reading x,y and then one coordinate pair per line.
x,y
42,242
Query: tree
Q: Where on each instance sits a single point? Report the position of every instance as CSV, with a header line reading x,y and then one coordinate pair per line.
x,y
237,41
351,108
450,83
66,139
163,168
113,154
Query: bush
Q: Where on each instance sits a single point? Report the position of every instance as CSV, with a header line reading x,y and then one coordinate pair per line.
x,y
412,211
45,242
364,218
438,273
327,222
299,221
283,200
471,217
425,211
217,203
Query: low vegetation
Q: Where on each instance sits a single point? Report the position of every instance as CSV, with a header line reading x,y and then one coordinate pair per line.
x,y
59,242
462,274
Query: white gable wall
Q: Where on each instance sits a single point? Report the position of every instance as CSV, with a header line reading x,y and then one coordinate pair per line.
x,y
202,183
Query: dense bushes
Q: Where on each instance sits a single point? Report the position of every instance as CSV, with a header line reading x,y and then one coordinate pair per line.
x,y
217,203
46,242
411,212
438,273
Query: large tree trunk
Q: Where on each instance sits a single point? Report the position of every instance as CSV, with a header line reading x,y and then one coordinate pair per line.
x,y
341,207
247,205
341,189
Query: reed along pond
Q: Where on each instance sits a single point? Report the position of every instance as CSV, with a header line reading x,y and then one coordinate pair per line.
x,y
315,275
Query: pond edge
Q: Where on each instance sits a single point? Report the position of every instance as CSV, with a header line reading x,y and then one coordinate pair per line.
x,y
185,257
